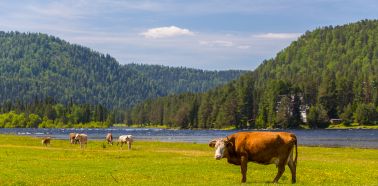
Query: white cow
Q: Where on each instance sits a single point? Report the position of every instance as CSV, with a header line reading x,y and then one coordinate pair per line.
x,y
125,139
82,138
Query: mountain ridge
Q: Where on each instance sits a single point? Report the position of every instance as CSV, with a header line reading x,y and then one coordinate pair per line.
x,y
39,65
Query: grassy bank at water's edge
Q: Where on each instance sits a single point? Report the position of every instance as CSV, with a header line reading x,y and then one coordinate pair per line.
x,y
24,161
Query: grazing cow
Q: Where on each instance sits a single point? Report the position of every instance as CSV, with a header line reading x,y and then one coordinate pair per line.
x,y
82,138
72,138
259,147
126,139
46,141
109,138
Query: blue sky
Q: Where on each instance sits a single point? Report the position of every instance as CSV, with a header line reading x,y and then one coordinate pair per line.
x,y
211,34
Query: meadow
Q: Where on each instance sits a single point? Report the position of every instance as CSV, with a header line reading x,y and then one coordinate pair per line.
x,y
24,161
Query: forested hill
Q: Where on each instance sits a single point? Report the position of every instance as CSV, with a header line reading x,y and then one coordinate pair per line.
x,y
173,80
331,72
38,66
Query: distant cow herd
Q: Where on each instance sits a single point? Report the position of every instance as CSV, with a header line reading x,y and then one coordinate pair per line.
x,y
239,149
82,139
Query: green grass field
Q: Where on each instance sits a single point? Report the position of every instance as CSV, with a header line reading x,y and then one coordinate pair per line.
x,y
24,161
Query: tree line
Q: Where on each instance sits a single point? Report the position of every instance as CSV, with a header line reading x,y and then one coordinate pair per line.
x,y
37,65
329,73
48,113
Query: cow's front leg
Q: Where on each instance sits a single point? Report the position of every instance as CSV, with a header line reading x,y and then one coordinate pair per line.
x,y
243,166
281,170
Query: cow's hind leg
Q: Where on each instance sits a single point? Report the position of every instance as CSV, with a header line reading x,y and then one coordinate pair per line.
x,y
293,170
281,170
293,167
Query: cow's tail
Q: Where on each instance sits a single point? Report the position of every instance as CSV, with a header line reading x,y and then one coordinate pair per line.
x,y
296,150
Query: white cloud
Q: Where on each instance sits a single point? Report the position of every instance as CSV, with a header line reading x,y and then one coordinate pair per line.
x,y
244,46
236,43
164,32
217,43
278,36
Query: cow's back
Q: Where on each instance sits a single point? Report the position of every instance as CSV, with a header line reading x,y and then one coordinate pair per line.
x,y
83,138
263,147
109,137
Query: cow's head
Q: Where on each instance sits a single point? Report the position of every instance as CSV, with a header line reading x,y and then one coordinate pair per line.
x,y
221,147
77,136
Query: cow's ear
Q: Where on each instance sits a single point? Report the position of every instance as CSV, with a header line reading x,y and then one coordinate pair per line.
x,y
212,143
228,142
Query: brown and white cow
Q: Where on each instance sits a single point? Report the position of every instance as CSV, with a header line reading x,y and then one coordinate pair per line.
x,y
259,147
109,138
125,139
83,139
46,141
72,138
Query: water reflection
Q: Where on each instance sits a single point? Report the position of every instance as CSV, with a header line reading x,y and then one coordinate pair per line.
x,y
363,138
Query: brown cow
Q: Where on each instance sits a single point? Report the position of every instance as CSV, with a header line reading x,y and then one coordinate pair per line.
x,y
72,138
46,141
109,138
259,147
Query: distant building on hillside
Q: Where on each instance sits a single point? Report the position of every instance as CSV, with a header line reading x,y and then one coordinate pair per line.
x,y
335,121
304,113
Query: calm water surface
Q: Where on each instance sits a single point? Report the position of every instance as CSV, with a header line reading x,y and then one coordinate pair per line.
x,y
364,138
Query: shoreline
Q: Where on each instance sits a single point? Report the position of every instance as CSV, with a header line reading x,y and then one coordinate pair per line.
x,y
303,141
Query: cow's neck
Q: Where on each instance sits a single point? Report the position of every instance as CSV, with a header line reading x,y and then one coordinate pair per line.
x,y
231,155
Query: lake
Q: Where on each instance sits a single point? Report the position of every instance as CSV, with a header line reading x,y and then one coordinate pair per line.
x,y
362,138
